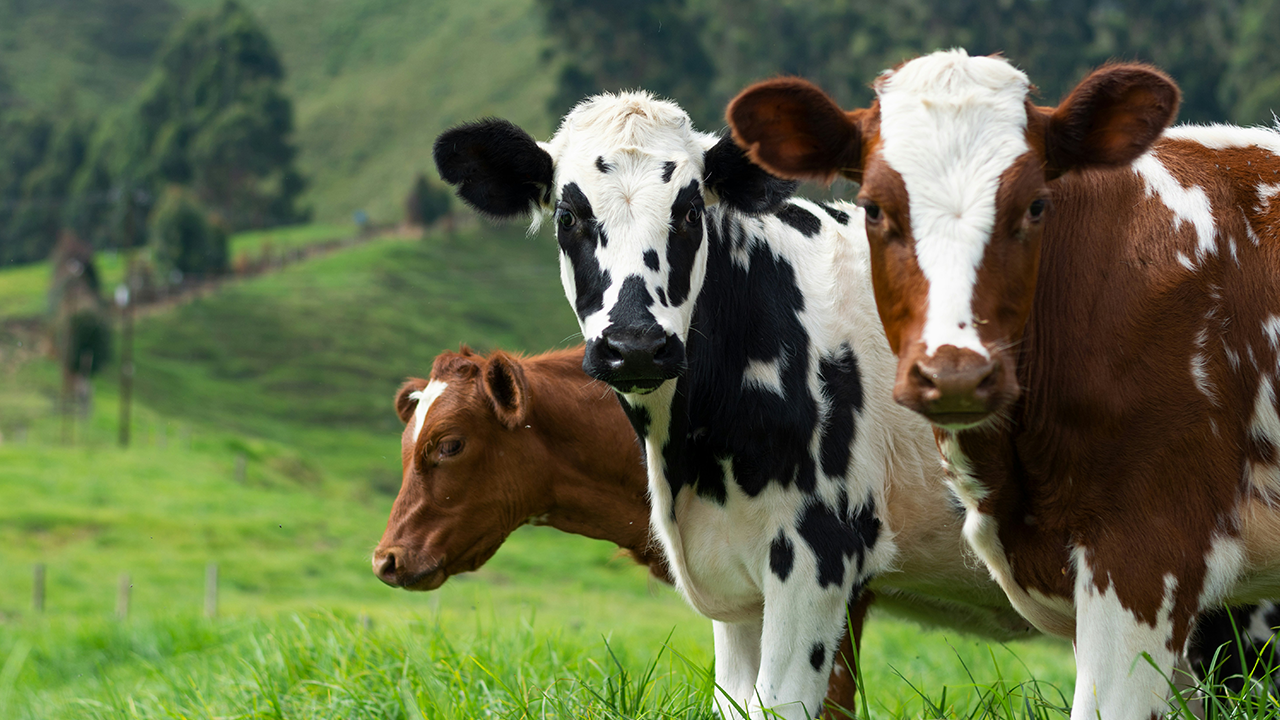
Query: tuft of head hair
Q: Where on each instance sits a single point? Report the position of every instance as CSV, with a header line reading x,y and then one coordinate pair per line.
x,y
955,76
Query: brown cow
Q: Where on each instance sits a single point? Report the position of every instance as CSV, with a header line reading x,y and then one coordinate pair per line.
x,y
1089,313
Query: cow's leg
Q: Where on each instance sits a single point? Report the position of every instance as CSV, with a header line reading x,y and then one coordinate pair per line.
x,y
803,622
1113,680
737,664
842,686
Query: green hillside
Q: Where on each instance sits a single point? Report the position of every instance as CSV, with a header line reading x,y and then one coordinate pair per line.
x,y
373,81
104,48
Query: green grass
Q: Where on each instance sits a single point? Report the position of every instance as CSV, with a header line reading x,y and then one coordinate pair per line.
x,y
322,346
24,289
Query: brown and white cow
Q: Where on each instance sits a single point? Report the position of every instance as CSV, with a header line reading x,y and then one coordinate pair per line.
x,y
1088,310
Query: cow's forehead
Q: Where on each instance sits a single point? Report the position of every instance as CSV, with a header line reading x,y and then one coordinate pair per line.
x,y
626,147
950,126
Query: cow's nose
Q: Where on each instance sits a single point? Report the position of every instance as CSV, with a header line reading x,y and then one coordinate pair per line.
x,y
387,565
964,387
638,351
952,388
634,360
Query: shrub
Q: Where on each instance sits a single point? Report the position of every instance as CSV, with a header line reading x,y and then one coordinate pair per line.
x,y
183,237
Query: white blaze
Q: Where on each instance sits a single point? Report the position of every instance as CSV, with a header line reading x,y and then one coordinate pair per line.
x,y
951,125
425,397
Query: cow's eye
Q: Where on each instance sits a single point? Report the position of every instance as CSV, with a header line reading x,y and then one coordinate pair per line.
x,y
449,447
1036,210
566,219
872,211
693,215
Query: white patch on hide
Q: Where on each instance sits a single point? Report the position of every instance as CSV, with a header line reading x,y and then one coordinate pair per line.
x,y
1113,680
1265,425
1188,205
764,374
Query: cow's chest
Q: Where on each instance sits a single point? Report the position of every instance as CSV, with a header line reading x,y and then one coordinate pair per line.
x,y
720,545
1047,605
725,554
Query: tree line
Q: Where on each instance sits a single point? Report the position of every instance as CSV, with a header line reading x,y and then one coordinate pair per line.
x,y
202,149
700,52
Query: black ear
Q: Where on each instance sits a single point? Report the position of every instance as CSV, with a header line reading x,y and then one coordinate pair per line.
x,y
741,183
498,169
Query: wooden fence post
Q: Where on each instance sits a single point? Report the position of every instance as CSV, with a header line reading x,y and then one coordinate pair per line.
x,y
211,590
122,596
37,591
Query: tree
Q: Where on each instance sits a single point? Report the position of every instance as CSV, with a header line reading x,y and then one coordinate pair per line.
x,y
651,44
1252,87
214,117
844,44
184,239
426,203
39,159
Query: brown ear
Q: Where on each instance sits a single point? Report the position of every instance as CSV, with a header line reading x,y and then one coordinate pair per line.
x,y
405,405
504,382
1110,118
794,130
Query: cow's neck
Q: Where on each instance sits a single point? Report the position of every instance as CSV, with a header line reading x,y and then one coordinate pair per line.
x,y
598,488
607,508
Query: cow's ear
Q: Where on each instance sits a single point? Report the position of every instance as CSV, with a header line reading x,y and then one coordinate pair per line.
x,y
405,405
740,183
794,130
504,383
1110,118
498,168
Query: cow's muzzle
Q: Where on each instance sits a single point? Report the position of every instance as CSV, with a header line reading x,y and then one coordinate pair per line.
x,y
634,361
395,567
955,388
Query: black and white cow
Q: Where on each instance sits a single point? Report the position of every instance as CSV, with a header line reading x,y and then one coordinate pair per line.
x,y
741,335
739,329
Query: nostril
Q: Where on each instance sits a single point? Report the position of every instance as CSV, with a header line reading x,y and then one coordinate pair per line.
x,y
662,349
924,381
611,350
387,568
